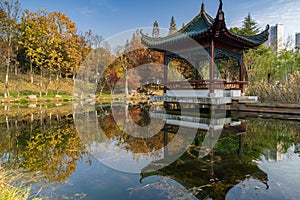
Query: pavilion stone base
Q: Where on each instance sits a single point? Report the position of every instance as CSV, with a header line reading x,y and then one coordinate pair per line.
x,y
219,97
233,93
193,93
203,93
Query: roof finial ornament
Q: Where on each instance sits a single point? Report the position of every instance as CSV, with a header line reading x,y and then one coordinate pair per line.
x,y
221,5
220,14
202,7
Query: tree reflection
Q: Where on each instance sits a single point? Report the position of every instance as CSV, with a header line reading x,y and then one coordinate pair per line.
x,y
41,140
136,145
264,135
54,153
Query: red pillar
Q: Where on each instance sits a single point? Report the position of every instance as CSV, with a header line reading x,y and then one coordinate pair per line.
x,y
211,66
197,62
166,62
242,74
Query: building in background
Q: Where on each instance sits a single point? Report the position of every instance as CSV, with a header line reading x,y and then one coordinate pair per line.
x,y
276,37
297,41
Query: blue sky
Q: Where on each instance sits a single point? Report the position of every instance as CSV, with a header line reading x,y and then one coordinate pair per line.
x,y
110,17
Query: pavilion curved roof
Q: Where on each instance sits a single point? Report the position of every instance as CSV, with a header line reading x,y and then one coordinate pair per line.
x,y
204,26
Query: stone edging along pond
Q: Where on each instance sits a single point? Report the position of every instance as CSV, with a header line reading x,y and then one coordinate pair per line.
x,y
267,110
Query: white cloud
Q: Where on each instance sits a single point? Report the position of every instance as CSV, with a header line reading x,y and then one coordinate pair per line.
x,y
86,11
286,12
105,4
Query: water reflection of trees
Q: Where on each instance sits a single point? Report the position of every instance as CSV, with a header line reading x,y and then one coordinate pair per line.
x,y
275,136
40,140
148,146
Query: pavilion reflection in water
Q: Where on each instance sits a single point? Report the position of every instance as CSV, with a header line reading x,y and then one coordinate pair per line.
x,y
202,170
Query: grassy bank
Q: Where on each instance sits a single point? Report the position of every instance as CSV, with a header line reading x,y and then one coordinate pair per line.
x,y
22,90
20,86
11,188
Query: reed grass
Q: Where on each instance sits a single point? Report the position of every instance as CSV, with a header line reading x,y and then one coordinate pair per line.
x,y
286,92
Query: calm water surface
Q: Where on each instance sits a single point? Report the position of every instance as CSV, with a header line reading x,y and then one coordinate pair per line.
x,y
78,154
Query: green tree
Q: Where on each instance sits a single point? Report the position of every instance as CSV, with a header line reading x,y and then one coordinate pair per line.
x,y
261,65
172,28
249,27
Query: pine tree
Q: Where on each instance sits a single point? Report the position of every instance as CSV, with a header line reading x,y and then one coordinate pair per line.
x,y
172,28
249,27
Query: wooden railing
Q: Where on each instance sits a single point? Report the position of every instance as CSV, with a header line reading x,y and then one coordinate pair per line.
x,y
204,84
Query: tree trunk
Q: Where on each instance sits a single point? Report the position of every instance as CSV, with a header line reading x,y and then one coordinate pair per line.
x,y
41,83
31,71
6,94
16,69
46,92
101,91
7,66
47,87
126,84
111,92
16,63
18,89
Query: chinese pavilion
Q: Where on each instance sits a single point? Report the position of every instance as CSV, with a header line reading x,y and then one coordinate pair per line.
x,y
213,37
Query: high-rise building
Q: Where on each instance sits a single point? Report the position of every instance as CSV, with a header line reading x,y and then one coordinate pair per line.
x,y
276,37
297,40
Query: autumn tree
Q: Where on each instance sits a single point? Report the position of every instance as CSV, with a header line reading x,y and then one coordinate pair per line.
x,y
51,44
9,17
36,40
105,59
131,66
140,55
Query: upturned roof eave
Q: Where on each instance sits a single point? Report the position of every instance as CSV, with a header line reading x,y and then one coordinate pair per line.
x,y
203,19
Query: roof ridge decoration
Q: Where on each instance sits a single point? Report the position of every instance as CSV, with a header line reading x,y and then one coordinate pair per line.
x,y
202,7
220,6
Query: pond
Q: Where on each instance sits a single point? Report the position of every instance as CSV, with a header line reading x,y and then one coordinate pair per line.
x,y
141,151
